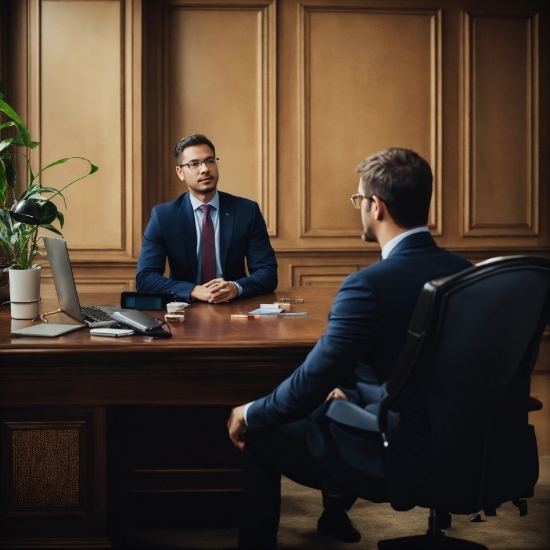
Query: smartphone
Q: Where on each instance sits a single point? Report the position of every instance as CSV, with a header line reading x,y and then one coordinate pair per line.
x,y
113,332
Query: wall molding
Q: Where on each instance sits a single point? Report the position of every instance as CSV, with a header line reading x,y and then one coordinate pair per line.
x,y
435,221
471,209
31,98
267,57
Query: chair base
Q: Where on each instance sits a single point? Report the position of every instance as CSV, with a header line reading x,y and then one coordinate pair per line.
x,y
429,542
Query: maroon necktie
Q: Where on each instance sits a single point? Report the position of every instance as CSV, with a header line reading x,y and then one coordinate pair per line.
x,y
208,246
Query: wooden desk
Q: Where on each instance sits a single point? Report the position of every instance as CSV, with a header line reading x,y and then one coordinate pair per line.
x,y
54,395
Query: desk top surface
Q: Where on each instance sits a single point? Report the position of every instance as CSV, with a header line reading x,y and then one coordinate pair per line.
x,y
205,326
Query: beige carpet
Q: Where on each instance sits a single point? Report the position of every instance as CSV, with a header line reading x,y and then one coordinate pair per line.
x,y
301,508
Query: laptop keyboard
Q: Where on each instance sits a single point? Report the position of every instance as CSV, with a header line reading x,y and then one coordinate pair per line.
x,y
92,313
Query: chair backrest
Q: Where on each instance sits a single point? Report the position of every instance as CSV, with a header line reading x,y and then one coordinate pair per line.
x,y
456,411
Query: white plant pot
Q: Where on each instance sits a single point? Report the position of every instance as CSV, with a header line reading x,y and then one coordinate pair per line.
x,y
25,293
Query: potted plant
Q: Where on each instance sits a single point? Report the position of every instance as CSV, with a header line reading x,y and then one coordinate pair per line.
x,y
23,215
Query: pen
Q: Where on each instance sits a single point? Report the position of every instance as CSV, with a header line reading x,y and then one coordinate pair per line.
x,y
244,316
296,314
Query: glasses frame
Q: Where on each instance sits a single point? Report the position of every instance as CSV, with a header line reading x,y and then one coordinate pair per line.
x,y
354,198
201,162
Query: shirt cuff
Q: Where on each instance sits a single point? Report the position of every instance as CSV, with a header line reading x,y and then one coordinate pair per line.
x,y
245,412
239,287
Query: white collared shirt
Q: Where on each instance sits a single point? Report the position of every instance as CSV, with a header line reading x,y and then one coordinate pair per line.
x,y
390,245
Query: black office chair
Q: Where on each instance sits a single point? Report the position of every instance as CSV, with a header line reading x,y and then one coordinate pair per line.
x,y
454,414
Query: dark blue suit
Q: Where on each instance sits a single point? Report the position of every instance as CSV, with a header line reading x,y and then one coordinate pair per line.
x,y
366,332
171,234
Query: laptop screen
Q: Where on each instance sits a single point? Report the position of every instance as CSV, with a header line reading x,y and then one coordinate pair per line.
x,y
63,278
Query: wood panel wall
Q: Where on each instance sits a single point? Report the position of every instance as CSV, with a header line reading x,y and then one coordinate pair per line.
x,y
293,94
74,75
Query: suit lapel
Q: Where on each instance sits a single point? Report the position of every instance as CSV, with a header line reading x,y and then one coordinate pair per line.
x,y
189,232
227,220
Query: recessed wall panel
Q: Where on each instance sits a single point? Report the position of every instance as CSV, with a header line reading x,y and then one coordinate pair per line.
x,y
501,136
220,77
321,275
81,71
370,82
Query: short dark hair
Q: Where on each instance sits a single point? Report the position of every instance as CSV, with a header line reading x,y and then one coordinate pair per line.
x,y
402,179
189,141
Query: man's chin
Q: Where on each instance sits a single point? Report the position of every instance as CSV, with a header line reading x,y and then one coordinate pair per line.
x,y
205,189
368,238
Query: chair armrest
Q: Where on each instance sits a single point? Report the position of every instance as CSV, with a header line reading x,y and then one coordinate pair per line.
x,y
347,413
534,404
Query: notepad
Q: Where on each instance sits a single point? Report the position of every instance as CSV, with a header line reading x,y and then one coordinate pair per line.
x,y
46,330
263,311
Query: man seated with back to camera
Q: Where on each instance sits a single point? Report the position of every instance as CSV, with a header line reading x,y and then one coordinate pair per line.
x,y
201,268
287,431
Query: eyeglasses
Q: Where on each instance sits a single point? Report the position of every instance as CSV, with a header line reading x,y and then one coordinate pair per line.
x,y
196,164
357,200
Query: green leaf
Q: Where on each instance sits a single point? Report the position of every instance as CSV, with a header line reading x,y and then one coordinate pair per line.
x,y
60,161
31,144
5,143
41,190
50,227
7,125
19,241
5,246
59,215
3,181
38,190
29,167
10,172
5,219
47,211
93,168
7,177
33,189
21,128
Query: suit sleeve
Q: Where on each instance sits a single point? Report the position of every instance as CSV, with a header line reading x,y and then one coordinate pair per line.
x,y
152,263
260,259
353,328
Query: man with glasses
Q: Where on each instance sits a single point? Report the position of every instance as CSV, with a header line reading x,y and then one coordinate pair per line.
x,y
207,235
287,431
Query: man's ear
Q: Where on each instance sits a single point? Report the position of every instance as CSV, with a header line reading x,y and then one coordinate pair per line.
x,y
179,172
379,207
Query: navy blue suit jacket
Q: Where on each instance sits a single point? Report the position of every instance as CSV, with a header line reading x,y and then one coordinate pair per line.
x,y
171,234
366,332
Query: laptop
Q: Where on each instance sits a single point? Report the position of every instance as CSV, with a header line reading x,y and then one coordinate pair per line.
x,y
65,287
50,330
